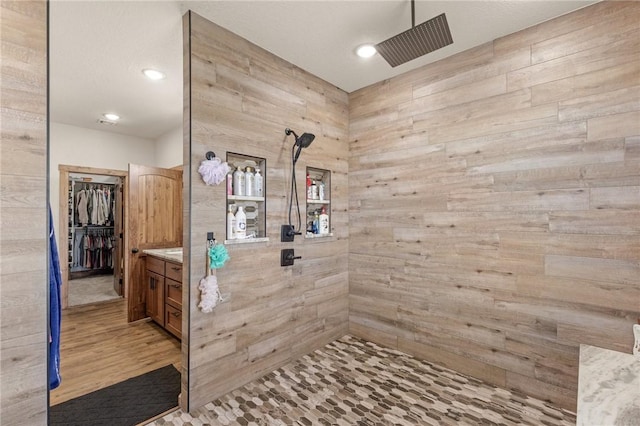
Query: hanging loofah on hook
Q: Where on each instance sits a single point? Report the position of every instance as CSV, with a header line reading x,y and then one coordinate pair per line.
x,y
209,293
218,256
213,170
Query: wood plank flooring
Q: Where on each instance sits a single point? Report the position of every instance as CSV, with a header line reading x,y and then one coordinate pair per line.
x,y
99,348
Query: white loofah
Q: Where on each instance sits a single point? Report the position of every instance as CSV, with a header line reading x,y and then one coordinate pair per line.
x,y
209,293
213,171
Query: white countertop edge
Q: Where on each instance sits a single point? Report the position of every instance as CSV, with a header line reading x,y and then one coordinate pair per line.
x,y
162,253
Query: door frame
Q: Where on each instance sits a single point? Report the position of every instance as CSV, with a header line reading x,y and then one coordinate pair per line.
x,y
63,235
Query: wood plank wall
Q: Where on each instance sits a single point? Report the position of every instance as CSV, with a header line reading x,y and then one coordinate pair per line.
x,y
494,203
23,213
241,100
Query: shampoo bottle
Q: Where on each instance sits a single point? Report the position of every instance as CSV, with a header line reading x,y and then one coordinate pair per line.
x,y
230,183
249,182
241,223
316,223
308,187
231,224
258,181
238,182
323,222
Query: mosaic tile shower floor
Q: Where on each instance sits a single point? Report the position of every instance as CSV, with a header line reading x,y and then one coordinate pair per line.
x,y
355,382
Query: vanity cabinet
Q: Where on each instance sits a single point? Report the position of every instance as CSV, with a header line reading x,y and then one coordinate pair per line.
x,y
164,294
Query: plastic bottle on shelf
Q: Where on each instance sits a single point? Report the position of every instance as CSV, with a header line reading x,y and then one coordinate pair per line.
x,y
314,190
308,187
230,183
249,182
238,182
258,184
241,223
321,190
316,223
231,223
323,222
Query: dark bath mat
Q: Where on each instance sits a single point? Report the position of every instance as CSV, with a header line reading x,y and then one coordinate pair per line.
x,y
123,404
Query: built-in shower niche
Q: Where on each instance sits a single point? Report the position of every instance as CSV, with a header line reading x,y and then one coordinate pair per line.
x,y
250,196
318,189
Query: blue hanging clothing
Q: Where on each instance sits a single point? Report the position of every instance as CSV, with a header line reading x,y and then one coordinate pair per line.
x,y
55,307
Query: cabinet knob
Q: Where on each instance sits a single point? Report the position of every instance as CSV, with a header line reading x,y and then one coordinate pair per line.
x,y
175,314
134,250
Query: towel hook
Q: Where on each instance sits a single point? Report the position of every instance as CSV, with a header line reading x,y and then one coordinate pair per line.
x,y
210,155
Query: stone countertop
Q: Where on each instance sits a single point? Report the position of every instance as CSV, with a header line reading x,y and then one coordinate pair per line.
x,y
173,254
608,387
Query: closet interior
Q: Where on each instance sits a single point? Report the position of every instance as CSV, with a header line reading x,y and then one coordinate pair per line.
x,y
94,230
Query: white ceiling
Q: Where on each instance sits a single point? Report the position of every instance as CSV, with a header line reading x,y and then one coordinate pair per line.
x,y
98,48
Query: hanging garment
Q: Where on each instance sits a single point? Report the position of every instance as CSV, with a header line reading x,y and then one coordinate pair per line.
x,y
105,207
94,206
82,205
77,249
55,307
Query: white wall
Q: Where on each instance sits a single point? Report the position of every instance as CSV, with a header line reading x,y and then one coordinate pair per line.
x,y
169,149
78,146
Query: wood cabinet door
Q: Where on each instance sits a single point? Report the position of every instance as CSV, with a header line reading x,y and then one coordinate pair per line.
x,y
154,305
153,219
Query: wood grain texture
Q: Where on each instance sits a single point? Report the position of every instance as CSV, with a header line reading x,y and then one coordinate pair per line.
x,y
23,212
99,348
507,233
153,212
240,99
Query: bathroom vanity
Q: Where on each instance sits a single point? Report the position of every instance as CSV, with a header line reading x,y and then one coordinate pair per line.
x,y
608,387
163,281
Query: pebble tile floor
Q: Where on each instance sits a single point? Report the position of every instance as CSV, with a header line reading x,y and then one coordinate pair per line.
x,y
355,382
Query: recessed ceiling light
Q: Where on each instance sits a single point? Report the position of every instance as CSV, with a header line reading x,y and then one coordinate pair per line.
x,y
153,74
111,116
366,50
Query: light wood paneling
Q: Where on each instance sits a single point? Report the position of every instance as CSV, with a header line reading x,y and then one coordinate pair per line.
x,y
508,232
23,213
241,99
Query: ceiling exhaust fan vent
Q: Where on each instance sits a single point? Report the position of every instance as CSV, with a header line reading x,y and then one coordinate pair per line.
x,y
418,41
107,122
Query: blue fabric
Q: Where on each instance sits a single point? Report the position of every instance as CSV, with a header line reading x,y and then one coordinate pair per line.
x,y
55,307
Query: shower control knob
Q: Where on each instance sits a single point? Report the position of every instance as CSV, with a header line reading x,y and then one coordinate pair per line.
x,y
287,257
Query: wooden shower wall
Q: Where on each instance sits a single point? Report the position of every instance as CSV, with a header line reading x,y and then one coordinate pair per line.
x,y
494,203
23,213
241,100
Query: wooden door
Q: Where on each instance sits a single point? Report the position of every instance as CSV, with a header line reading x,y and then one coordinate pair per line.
x,y
118,231
153,219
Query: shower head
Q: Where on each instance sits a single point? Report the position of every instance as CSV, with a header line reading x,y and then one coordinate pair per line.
x,y
415,42
301,141
305,140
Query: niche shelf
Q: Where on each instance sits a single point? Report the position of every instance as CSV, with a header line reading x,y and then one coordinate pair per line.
x,y
318,198
253,204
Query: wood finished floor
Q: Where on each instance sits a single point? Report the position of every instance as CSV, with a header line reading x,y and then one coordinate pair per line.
x,y
99,348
